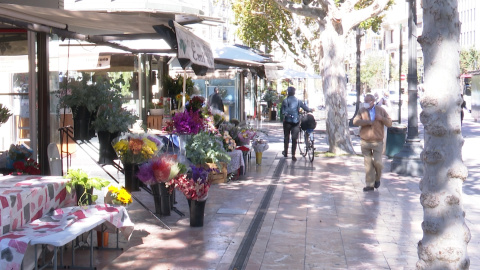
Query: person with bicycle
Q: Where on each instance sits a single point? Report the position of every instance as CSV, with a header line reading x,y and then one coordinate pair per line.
x,y
291,119
372,120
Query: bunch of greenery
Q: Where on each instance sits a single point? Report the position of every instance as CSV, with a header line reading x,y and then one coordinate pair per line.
x,y
204,148
4,114
271,97
113,118
80,178
174,86
87,91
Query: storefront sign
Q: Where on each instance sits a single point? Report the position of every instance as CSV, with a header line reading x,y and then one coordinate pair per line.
x,y
193,48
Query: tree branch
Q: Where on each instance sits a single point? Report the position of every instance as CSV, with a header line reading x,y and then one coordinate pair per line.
x,y
355,17
303,10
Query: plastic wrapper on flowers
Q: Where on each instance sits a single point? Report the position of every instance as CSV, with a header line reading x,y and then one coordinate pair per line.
x,y
136,148
118,195
195,184
260,145
160,169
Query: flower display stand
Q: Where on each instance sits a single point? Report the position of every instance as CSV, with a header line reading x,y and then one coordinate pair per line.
x,y
107,154
197,212
162,199
217,177
131,180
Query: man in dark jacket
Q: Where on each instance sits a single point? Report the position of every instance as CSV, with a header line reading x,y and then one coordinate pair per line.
x,y
291,119
215,100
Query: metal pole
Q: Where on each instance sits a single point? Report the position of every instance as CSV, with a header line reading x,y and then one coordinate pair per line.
x,y
357,83
400,78
412,72
407,161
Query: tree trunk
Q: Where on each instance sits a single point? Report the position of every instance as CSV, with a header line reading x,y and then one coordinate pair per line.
x,y
445,234
334,89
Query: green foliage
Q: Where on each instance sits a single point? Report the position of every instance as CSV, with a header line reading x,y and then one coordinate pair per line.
x,y
469,60
87,91
113,118
205,147
371,71
263,23
174,86
4,114
81,178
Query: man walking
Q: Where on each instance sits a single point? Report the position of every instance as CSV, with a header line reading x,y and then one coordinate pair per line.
x,y
215,100
372,120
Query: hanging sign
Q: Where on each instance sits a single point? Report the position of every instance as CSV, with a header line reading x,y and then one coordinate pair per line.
x,y
193,48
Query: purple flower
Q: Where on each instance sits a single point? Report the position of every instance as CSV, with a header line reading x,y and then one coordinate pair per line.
x,y
145,174
188,122
199,174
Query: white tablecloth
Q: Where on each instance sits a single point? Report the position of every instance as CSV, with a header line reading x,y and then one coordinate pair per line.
x,y
236,161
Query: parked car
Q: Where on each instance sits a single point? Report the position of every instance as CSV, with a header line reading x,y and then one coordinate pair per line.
x,y
351,98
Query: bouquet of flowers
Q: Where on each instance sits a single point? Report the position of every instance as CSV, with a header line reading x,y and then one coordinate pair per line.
x,y
194,185
187,122
195,104
136,148
16,153
260,145
118,196
228,143
246,135
160,169
26,166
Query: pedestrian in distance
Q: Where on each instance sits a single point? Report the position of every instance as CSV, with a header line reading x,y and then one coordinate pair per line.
x,y
372,120
291,120
462,113
215,100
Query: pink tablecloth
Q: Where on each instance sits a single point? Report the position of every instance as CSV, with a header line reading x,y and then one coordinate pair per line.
x,y
14,244
24,198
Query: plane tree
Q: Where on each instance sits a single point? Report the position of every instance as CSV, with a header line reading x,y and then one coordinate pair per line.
x,y
315,31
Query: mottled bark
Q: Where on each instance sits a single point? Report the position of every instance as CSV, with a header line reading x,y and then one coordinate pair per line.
x,y
334,89
445,234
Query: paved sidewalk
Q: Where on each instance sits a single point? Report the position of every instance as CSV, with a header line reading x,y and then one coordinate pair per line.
x,y
295,215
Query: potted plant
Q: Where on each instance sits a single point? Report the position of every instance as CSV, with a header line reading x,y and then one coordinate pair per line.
x,y
84,96
4,114
111,119
84,185
156,107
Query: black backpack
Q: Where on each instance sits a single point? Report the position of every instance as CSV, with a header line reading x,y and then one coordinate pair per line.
x,y
308,122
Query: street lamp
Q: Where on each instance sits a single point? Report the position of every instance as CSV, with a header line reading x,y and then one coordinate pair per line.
x,y
407,161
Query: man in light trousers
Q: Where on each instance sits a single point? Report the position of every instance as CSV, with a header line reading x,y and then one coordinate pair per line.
x,y
372,120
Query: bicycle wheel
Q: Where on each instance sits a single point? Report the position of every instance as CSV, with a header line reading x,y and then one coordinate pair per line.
x,y
310,146
301,143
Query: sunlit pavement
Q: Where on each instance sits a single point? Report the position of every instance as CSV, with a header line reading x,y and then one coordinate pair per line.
x,y
317,216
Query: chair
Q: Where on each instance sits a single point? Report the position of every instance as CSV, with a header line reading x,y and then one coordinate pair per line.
x,y
54,160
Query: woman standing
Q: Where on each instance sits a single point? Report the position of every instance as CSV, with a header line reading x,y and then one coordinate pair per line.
x,y
290,109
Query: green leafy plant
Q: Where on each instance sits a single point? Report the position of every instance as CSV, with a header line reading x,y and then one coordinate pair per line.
x,y
204,148
113,118
87,91
79,177
174,86
4,114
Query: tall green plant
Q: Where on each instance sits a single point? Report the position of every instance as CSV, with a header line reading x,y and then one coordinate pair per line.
x,y
174,86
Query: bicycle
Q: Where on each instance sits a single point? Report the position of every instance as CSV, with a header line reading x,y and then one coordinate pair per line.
x,y
306,142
